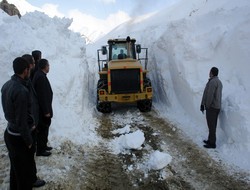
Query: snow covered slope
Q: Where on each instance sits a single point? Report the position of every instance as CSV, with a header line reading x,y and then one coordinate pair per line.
x,y
184,42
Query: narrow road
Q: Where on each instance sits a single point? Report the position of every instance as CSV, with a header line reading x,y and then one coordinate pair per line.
x,y
80,167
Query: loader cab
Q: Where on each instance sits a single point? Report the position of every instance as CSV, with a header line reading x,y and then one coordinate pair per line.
x,y
122,49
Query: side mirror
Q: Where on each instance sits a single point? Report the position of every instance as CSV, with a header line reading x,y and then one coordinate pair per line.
x,y
128,39
104,50
138,48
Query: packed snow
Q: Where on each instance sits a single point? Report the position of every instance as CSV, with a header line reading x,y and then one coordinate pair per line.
x,y
132,140
159,160
185,40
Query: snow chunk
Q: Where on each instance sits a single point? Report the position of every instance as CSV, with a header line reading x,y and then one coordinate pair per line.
x,y
129,141
123,130
134,140
159,160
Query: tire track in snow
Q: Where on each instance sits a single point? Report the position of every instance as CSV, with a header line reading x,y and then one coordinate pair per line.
x,y
141,177
104,170
192,163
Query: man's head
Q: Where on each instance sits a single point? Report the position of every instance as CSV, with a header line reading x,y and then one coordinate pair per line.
x,y
214,72
37,54
21,67
30,59
43,64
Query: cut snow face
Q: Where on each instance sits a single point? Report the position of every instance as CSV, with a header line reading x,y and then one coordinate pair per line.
x,y
185,41
68,74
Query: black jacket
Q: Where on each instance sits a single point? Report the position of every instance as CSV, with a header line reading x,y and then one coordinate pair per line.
x,y
16,106
44,92
34,102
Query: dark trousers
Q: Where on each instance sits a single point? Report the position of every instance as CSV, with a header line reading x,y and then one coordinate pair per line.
x,y
43,133
34,170
212,117
22,162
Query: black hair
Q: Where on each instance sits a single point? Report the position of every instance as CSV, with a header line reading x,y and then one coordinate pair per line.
x,y
37,54
214,71
19,65
43,63
29,58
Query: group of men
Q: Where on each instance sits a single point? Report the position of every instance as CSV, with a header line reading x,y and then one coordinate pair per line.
x,y
27,105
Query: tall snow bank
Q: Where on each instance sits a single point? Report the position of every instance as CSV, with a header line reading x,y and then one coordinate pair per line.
x,y
69,75
185,41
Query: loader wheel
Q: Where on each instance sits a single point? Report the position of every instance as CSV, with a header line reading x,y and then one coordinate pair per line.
x,y
144,105
146,83
104,107
102,84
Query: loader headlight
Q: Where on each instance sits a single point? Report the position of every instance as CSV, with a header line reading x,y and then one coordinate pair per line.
x,y
101,92
149,89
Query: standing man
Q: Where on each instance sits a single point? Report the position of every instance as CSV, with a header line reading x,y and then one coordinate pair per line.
x,y
211,102
18,134
34,103
45,96
37,55
35,113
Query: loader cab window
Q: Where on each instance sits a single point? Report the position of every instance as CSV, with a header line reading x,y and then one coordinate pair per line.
x,y
119,51
122,51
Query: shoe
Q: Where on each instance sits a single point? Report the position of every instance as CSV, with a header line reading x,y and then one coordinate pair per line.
x,y
209,146
45,153
206,141
39,183
48,148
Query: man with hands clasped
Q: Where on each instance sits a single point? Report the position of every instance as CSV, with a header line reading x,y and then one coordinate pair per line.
x,y
211,102
44,96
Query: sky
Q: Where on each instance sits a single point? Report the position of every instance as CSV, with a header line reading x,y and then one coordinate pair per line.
x,y
184,41
94,18
103,8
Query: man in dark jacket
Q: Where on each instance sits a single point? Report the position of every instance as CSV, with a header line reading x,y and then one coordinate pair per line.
x,y
45,96
211,102
37,55
34,102
18,134
35,113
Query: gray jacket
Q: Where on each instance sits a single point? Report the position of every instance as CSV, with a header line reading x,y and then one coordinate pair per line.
x,y
212,94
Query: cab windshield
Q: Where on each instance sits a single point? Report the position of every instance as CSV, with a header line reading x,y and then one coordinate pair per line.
x,y
121,51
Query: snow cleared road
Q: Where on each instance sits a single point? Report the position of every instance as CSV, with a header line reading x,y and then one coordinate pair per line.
x,y
75,167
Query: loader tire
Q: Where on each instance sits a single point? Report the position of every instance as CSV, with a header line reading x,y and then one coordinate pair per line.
x,y
144,105
146,83
104,107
